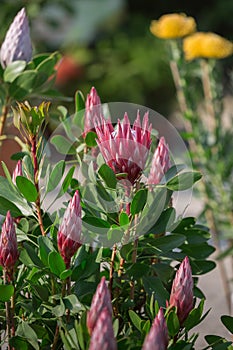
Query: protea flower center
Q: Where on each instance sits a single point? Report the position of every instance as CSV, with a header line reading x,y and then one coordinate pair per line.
x,y
125,149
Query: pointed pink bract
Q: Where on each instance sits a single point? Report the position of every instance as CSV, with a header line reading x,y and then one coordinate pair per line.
x,y
92,111
160,163
102,337
8,245
182,290
157,338
17,171
69,232
125,149
101,300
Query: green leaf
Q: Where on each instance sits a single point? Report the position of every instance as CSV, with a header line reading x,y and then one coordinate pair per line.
x,y
7,173
63,145
172,172
56,263
65,274
139,201
13,70
12,196
23,84
200,267
55,176
123,219
96,222
79,101
173,324
26,331
228,322
45,247
194,316
137,270
167,243
136,320
66,182
6,205
29,256
18,342
90,139
108,175
183,181
27,188
6,292
153,285
59,310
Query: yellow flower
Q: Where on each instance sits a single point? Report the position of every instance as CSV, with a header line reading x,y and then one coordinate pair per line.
x,y
172,26
207,45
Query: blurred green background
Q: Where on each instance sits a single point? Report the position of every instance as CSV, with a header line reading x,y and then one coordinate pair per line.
x,y
107,43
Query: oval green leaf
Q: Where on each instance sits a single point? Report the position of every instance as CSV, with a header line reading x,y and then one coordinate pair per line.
x,y
55,176
108,175
56,263
6,292
13,70
183,181
139,201
27,188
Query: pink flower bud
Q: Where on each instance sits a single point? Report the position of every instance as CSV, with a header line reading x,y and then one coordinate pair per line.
x,y
69,233
17,44
125,149
8,246
92,111
101,300
160,163
17,172
157,338
182,291
102,337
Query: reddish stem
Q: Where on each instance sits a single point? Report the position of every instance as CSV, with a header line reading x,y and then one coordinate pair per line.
x,y
36,182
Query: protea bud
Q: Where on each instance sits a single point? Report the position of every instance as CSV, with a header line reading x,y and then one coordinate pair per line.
x,y
18,171
92,111
160,163
182,291
101,300
69,233
125,150
102,337
17,44
157,338
8,246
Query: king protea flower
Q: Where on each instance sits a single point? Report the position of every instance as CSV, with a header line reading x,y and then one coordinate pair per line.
x,y
160,163
69,232
157,338
182,291
102,337
8,246
92,111
125,149
101,300
18,171
17,44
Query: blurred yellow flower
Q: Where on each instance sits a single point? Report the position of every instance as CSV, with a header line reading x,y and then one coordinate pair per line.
x,y
172,26
206,45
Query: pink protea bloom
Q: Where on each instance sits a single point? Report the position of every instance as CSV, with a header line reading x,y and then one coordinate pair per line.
x,y
69,232
102,337
18,171
125,149
17,44
8,246
92,111
101,300
157,338
182,291
160,163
